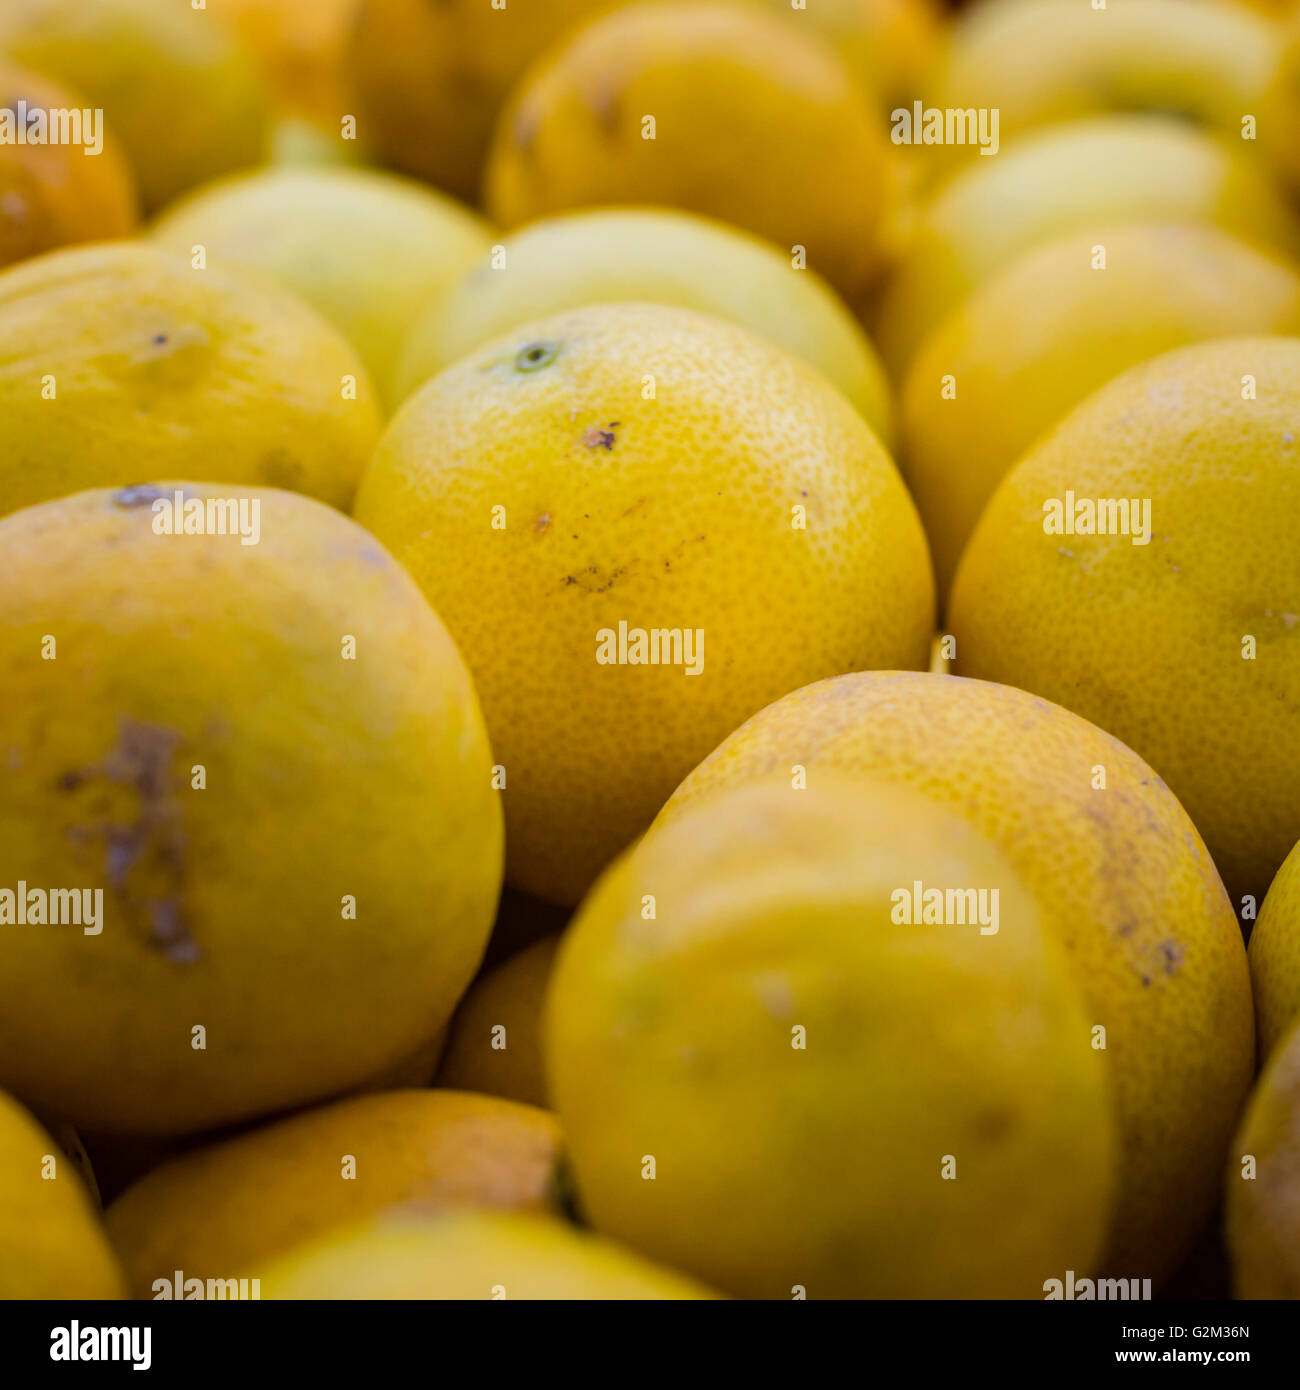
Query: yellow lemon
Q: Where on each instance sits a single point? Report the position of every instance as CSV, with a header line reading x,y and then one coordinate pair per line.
x,y
1065,318
57,194
52,1244
721,109
1275,956
470,1255
300,46
495,1043
228,1208
890,46
657,256
641,524
368,250
1089,172
1042,61
430,78
269,762
1123,878
182,96
1107,574
121,364
1263,1185
808,1065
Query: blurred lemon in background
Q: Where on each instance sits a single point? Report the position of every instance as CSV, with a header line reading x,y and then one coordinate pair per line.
x,y
369,250
655,255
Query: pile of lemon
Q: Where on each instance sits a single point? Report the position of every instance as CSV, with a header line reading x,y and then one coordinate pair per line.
x,y
814,487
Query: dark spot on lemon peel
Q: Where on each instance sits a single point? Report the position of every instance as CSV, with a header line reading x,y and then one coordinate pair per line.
x,y
153,842
159,339
534,356
993,1125
597,438
1173,954
141,495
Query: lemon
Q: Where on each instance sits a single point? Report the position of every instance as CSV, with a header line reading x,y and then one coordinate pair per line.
x,y
55,195
1275,956
368,250
300,46
1279,127
1064,324
228,1208
185,100
1042,61
270,759
120,364
1124,880
430,78
657,256
1171,643
721,109
51,1242
1089,172
626,470
766,1080
1263,1185
889,46
495,1043
471,1255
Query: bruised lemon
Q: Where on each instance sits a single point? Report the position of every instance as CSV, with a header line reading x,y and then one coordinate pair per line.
x,y
1105,575
52,1244
237,738
231,1207
185,100
121,364
720,109
1125,883
830,1093
658,256
368,250
57,194
471,1255
641,524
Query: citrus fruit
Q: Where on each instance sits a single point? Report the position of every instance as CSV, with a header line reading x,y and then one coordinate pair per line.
x,y
1170,642
52,1244
121,364
773,1078
1041,61
890,46
1263,1217
655,103
270,761
471,1255
227,1208
1125,883
1064,323
495,1042
429,78
1085,173
185,100
299,46
369,250
657,256
1274,956
57,194
573,495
